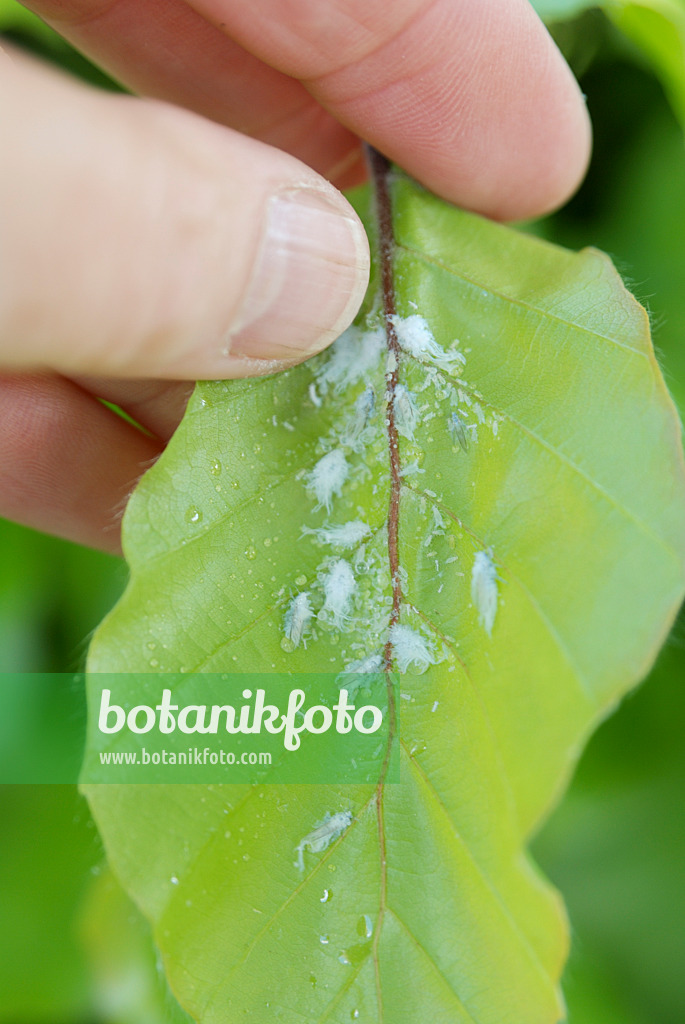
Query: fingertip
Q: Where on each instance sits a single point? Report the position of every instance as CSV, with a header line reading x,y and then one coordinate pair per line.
x,y
308,278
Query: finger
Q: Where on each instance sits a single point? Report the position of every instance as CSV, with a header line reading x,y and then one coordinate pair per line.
x,y
470,96
67,463
155,405
138,240
171,52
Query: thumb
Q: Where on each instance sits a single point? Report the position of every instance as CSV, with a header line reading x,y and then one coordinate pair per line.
x,y
137,239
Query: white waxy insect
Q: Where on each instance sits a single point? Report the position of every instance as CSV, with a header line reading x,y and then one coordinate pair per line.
x,y
338,587
457,429
314,396
411,469
370,664
297,618
416,338
353,356
437,518
350,679
484,589
323,834
363,411
346,535
406,412
410,648
328,476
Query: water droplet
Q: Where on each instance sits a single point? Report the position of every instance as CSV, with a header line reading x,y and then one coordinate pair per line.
x,y
300,580
151,645
365,926
287,645
174,880
312,981
355,1015
215,467
267,542
323,939
193,515
344,959
250,552
154,663
327,895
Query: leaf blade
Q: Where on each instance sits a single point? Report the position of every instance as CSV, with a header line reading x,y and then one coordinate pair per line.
x,y
489,732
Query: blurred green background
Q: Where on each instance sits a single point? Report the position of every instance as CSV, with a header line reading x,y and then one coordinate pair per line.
x,y
72,948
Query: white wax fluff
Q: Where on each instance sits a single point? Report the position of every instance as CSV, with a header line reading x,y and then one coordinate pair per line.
x,y
410,648
484,589
328,476
297,618
338,588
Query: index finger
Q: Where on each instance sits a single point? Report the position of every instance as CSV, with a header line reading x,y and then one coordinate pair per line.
x,y
472,97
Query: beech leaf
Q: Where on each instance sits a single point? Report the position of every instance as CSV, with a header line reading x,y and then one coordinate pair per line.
x,y
490,462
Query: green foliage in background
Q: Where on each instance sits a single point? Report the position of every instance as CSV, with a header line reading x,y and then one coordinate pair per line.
x,y
656,27
615,845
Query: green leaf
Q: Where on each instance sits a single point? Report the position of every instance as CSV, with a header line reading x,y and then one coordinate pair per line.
x,y
48,848
15,17
559,10
656,27
427,907
617,845
128,985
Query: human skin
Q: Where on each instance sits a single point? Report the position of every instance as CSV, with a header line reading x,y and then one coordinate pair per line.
x,y
196,230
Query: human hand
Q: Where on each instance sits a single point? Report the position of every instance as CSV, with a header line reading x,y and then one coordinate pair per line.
x,y
142,246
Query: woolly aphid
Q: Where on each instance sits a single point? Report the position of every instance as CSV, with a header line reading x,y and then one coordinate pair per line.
x,y
364,408
457,429
416,338
484,589
323,834
410,648
406,412
346,535
297,618
353,356
338,588
328,477
352,678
